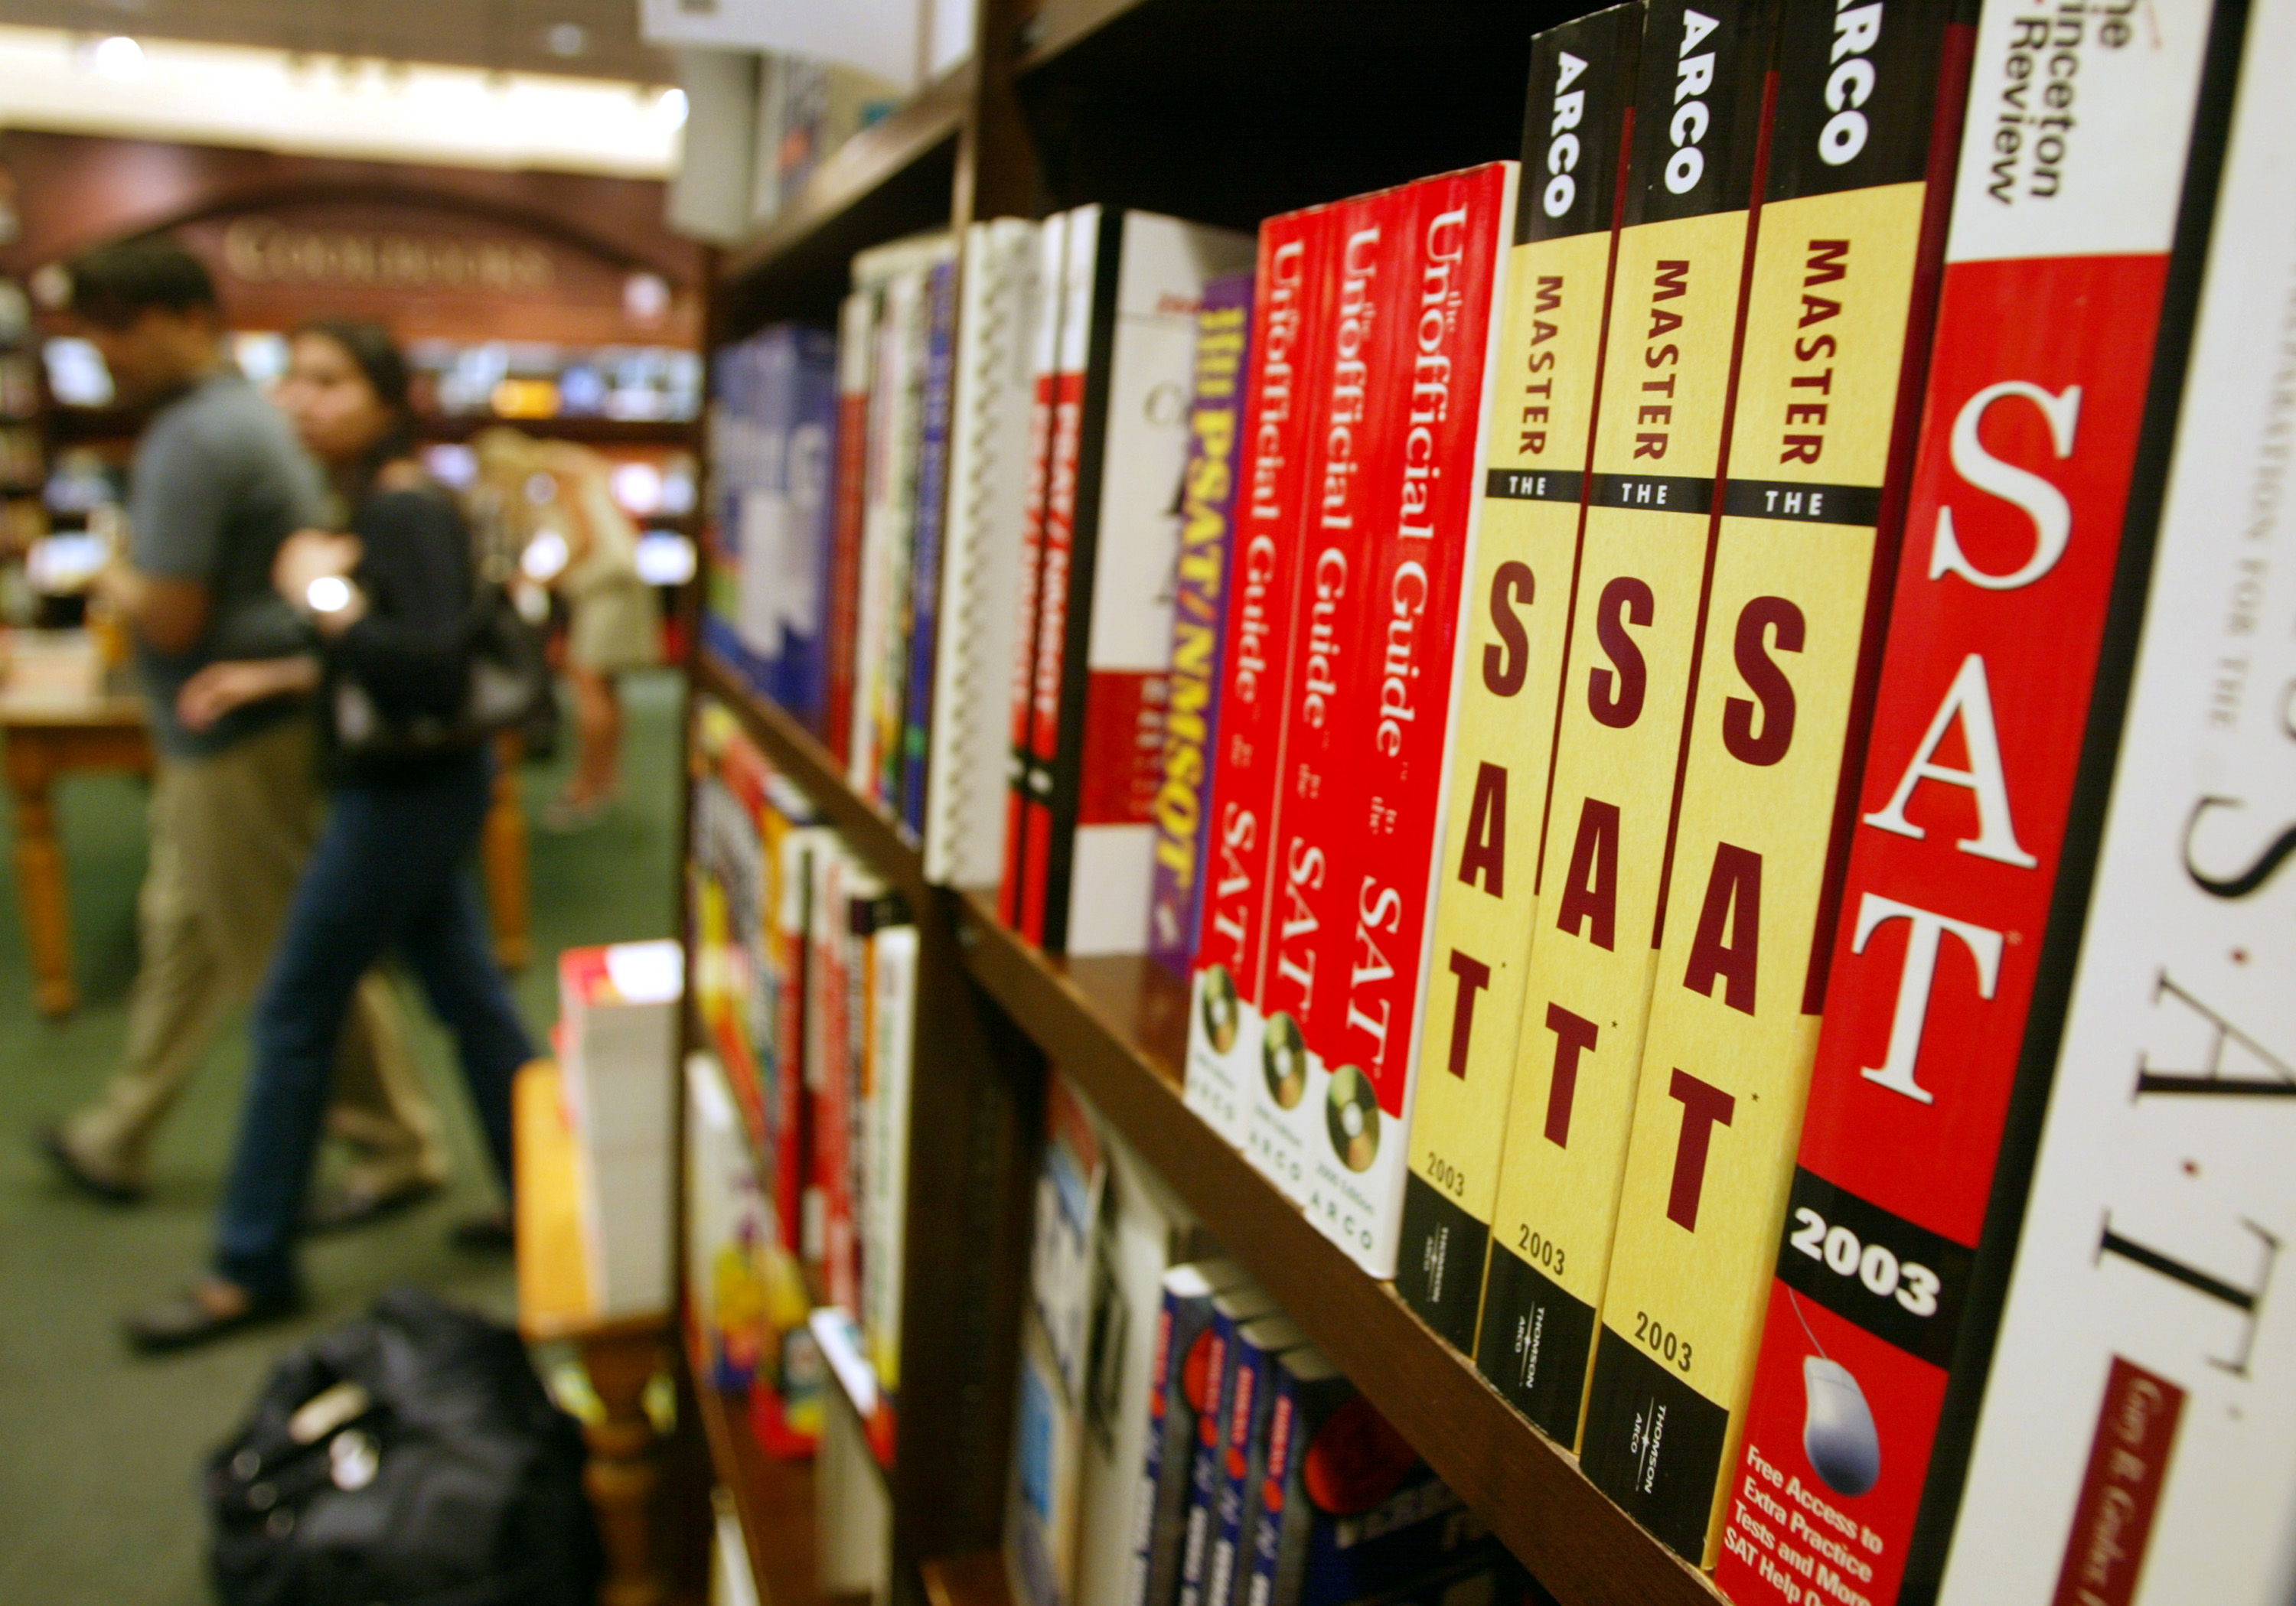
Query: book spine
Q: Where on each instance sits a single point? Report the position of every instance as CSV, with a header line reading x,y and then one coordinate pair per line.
x,y
793,1029
871,627
1289,310
1542,395
2137,1436
892,1043
1906,1139
1044,369
932,513
1305,901
1389,794
1836,336
758,528
1098,816
1064,587
988,470
812,532
836,1099
1285,1530
1159,1508
856,341
825,1037
1246,1462
908,339
1204,1466
1285,1449
1209,485
1669,371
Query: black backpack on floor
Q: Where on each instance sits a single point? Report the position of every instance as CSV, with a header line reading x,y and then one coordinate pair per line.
x,y
410,1458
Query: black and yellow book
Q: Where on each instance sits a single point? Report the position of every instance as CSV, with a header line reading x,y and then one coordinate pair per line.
x,y
1575,128
1676,302
1843,287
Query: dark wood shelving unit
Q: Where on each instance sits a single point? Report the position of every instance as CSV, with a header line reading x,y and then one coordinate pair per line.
x,y
1118,1027
891,179
772,1499
1223,112
799,753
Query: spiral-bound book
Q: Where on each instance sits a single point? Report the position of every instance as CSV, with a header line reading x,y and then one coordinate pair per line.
x,y
980,560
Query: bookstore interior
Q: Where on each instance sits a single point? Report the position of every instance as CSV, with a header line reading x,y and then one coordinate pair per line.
x,y
1399,753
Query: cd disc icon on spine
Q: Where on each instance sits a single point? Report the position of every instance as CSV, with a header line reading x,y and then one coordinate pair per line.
x,y
1283,1061
1220,1008
1352,1112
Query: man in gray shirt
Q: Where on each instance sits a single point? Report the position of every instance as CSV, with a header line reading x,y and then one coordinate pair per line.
x,y
218,482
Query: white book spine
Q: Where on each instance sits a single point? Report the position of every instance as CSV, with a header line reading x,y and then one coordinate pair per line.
x,y
980,565
2137,1441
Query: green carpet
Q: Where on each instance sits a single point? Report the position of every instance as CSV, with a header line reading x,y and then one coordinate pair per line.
x,y
100,1449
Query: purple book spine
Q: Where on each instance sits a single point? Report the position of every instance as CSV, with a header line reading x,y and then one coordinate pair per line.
x,y
932,519
1208,494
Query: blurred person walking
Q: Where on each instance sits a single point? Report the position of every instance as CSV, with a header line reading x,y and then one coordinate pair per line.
x,y
217,484
557,497
393,607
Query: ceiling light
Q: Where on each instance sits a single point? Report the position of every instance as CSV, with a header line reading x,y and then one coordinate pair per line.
x,y
118,58
671,108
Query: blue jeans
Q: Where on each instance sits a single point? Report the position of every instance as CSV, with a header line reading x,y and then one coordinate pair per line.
x,y
389,873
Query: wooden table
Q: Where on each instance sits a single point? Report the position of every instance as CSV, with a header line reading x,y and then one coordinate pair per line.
x,y
60,715
622,1355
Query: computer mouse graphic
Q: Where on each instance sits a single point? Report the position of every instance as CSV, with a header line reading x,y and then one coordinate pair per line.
x,y
1838,1434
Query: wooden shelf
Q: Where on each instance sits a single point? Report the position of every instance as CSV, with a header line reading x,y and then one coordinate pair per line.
x,y
773,1499
975,1579
891,178
1118,1027
799,753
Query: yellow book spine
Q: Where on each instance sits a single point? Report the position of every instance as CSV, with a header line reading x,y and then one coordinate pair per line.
x,y
1486,902
1733,1027
1641,572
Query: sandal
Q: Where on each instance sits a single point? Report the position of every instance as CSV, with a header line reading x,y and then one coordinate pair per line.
x,y
186,1320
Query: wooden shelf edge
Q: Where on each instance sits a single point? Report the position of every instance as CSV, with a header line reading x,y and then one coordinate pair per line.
x,y
772,1499
1529,1489
857,169
974,1579
800,755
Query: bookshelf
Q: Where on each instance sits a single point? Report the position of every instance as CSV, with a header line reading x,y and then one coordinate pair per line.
x,y
773,1501
1119,1025
1223,113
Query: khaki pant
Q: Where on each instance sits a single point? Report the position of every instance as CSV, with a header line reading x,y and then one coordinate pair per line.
x,y
229,835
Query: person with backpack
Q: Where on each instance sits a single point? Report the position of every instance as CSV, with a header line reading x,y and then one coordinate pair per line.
x,y
392,604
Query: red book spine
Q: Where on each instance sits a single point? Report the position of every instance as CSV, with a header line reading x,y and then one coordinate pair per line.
x,y
2037,394
845,554
1284,379
790,1142
1053,599
1312,877
1045,364
1381,807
